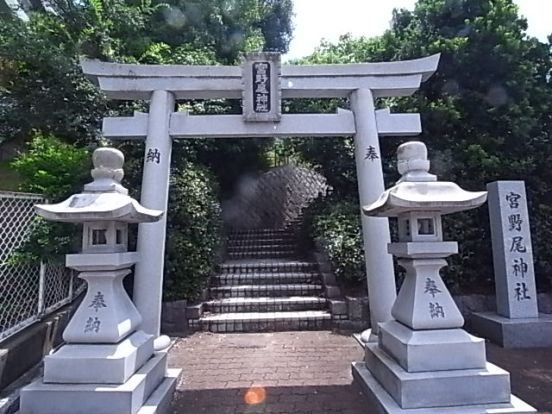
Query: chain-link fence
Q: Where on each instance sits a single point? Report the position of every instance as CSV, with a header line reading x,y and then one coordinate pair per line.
x,y
28,292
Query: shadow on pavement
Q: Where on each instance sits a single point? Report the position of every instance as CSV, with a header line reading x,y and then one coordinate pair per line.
x,y
345,399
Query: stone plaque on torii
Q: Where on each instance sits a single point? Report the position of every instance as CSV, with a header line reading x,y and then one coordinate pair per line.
x,y
261,82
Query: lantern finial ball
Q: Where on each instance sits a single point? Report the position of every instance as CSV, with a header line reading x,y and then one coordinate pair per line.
x,y
412,162
108,163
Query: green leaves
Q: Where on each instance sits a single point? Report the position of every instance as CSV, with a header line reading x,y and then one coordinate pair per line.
x,y
56,170
486,114
335,225
52,168
194,231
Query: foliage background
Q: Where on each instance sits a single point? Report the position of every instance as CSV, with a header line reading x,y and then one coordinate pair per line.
x,y
486,115
46,100
194,226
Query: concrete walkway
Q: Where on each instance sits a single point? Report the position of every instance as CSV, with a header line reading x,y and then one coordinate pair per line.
x,y
306,372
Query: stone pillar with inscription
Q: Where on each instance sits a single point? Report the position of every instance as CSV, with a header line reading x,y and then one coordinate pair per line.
x,y
423,360
380,276
107,366
517,322
148,274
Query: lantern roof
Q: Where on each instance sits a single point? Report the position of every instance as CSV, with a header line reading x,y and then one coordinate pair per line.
x,y
417,190
104,199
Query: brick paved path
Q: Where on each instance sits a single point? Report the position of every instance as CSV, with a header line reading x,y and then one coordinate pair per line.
x,y
294,372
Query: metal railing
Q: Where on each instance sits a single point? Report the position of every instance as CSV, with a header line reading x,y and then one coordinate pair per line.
x,y
29,291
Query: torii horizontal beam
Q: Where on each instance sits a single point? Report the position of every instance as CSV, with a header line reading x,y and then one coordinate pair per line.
x,y
133,81
183,125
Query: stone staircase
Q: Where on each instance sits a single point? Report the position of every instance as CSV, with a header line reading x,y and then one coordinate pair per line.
x,y
264,285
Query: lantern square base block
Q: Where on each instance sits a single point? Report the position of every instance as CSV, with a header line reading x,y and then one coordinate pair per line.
x,y
149,391
382,403
515,332
433,350
99,363
490,385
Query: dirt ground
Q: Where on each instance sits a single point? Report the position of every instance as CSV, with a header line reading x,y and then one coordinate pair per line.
x,y
530,373
307,372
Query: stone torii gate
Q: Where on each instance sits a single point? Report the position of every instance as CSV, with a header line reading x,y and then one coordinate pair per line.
x,y
261,82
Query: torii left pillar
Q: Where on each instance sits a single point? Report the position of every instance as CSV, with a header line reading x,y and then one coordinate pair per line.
x,y
148,285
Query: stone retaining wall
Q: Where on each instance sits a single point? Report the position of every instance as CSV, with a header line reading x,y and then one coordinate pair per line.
x,y
275,199
173,317
357,307
22,353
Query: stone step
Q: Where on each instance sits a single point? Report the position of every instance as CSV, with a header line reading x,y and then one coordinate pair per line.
x,y
264,278
266,304
289,247
257,291
266,265
264,241
268,233
261,231
279,240
282,254
266,322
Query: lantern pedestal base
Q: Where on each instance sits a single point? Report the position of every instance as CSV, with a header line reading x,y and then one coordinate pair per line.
x,y
435,350
514,333
99,363
490,385
148,391
381,402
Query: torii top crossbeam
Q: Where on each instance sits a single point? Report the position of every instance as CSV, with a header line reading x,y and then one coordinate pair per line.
x,y
131,81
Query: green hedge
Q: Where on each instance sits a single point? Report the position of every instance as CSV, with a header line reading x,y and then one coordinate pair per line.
x,y
194,232
56,170
52,168
335,225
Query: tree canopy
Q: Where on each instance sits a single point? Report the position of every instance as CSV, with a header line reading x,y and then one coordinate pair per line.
x,y
44,98
42,87
486,113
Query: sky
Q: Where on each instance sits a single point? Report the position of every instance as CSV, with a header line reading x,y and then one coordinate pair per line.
x,y
328,19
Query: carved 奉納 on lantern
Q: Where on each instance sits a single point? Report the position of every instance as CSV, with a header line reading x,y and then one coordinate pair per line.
x,y
424,360
107,365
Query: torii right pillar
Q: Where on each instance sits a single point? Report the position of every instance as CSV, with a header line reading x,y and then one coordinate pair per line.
x,y
382,290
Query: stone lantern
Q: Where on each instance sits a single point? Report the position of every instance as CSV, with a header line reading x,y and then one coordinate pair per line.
x,y
423,359
107,365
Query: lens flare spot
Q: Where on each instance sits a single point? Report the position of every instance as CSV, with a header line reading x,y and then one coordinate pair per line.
x,y
174,17
497,96
255,395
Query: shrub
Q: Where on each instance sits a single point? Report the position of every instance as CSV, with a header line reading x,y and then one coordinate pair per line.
x,y
56,170
193,227
52,168
335,225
